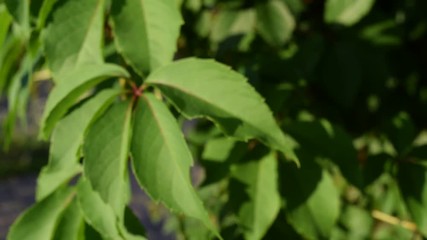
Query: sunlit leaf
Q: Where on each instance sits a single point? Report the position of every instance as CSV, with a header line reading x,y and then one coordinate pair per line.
x,y
162,161
205,88
346,12
146,32
106,149
39,221
66,142
96,212
74,38
75,83
261,177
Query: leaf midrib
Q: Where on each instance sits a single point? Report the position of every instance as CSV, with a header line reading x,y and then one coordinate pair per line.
x,y
167,144
252,125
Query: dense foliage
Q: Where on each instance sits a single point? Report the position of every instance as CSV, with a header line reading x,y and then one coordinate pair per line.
x,y
309,124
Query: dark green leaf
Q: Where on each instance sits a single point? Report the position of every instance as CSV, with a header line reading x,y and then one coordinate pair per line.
x,y
44,12
312,199
323,139
347,12
9,56
402,133
412,179
17,97
5,22
20,10
275,23
132,223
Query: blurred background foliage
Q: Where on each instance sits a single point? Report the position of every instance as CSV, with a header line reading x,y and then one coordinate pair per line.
x,y
345,78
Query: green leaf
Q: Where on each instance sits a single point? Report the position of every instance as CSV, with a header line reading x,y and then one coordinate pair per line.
x,y
228,23
5,22
357,221
75,36
146,32
66,141
261,178
96,212
218,149
412,179
275,22
162,161
9,56
44,12
312,199
323,139
67,91
106,149
20,10
402,132
39,221
132,225
205,88
346,12
17,96
71,224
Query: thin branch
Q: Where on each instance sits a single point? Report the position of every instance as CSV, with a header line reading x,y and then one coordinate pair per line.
x,y
384,217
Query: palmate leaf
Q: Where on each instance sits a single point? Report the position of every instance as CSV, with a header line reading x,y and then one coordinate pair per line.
x,y
66,141
257,215
75,36
346,12
162,160
146,31
72,85
205,88
106,149
39,221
